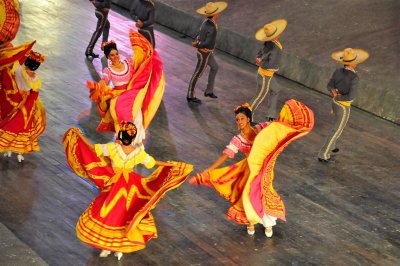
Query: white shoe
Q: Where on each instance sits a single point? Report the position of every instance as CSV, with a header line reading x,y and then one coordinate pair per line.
x,y
250,230
268,231
104,253
7,154
118,255
20,157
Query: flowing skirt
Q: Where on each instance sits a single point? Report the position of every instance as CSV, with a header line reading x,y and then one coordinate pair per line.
x,y
119,218
22,116
144,91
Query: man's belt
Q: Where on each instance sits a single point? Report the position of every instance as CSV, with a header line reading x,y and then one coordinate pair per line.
x,y
265,72
205,50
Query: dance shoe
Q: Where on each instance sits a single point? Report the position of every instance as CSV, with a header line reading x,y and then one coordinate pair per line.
x,y
104,253
268,231
193,100
20,157
93,55
118,255
323,160
211,95
250,230
7,154
335,150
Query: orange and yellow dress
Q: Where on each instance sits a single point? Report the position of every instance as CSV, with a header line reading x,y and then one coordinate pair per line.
x,y
142,93
248,184
119,218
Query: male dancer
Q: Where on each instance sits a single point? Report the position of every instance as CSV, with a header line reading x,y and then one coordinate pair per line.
x,y
268,60
143,13
343,86
103,25
205,44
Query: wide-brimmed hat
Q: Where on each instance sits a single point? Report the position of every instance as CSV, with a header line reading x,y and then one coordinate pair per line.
x,y
271,30
351,56
212,8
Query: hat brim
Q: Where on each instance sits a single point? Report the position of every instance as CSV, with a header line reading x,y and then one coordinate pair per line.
x,y
362,55
219,7
280,25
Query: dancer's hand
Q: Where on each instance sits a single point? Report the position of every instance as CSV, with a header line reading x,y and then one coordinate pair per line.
x,y
258,61
195,43
139,24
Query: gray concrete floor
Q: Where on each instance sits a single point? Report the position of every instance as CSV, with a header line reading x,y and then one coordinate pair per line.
x,y
342,213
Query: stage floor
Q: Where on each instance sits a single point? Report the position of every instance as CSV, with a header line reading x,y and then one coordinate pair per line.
x,y
346,212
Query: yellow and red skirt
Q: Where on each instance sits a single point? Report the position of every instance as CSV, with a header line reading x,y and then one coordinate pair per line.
x,y
119,218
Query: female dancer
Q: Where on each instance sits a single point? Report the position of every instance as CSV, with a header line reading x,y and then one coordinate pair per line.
x,y
119,218
23,118
248,183
138,87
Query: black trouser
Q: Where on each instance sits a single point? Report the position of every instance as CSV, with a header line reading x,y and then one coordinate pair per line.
x,y
148,33
103,27
203,59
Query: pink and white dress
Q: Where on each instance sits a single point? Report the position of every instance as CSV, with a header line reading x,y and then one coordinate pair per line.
x,y
120,81
239,143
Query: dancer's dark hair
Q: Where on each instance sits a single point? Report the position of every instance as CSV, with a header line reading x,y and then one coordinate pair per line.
x,y
108,47
127,133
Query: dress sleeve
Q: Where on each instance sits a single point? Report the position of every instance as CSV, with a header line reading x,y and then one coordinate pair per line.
x,y
106,76
149,161
261,126
129,61
101,149
232,148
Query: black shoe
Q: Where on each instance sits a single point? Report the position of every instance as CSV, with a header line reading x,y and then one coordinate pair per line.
x,y
270,119
193,100
335,150
323,160
93,55
211,95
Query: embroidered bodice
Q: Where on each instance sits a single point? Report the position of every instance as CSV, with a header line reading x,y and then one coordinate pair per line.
x,y
121,160
119,78
240,143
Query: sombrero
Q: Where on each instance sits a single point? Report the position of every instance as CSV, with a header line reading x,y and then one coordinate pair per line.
x,y
271,30
9,20
351,56
212,8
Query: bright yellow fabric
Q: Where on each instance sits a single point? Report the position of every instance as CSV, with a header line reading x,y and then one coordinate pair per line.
x,y
139,156
265,72
345,103
265,142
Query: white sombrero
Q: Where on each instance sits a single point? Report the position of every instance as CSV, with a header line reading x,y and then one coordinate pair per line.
x,y
271,30
351,56
212,8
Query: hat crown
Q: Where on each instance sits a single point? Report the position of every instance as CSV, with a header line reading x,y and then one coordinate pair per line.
x,y
349,55
210,8
270,29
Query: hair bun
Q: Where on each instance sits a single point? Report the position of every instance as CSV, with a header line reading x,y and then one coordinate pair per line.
x,y
107,47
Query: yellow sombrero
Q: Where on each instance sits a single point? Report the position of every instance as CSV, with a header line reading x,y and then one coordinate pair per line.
x,y
271,30
212,8
353,56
